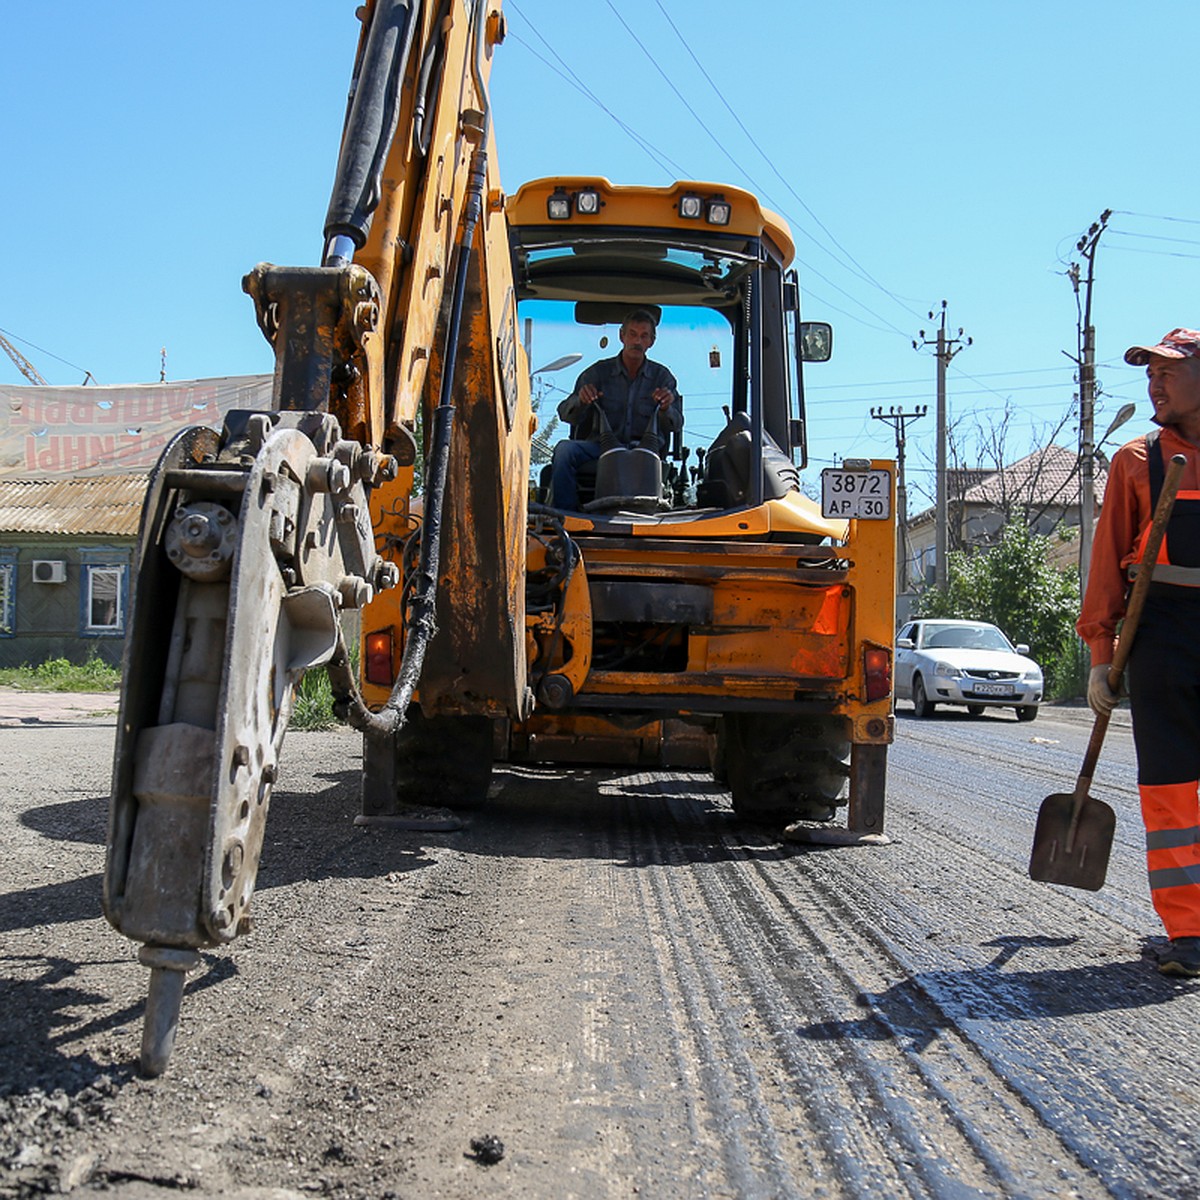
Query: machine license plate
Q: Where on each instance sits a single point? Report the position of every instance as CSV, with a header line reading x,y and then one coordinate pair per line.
x,y
993,689
863,494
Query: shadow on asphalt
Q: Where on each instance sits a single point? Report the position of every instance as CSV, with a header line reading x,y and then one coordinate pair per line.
x,y
914,1011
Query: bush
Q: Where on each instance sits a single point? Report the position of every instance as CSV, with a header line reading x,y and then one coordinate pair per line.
x,y
314,702
1013,585
314,697
60,675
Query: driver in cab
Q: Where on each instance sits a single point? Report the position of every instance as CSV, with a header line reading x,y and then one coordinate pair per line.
x,y
630,389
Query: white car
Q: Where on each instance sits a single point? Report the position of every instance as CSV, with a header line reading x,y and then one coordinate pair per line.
x,y
940,661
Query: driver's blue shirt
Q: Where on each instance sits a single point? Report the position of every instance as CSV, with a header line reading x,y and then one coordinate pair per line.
x,y
627,403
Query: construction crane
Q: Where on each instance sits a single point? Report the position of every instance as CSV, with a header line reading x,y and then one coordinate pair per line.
x,y
23,364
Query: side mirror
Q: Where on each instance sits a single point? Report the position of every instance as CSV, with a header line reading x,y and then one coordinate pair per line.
x,y
816,341
904,643
1022,648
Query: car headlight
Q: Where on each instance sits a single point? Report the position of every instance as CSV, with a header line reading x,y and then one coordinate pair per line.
x,y
947,670
1034,676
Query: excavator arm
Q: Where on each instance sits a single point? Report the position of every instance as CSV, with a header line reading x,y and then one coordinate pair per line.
x,y
256,540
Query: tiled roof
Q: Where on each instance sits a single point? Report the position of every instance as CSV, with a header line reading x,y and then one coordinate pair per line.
x,y
108,505
1047,476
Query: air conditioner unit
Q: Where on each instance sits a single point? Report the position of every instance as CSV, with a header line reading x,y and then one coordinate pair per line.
x,y
47,570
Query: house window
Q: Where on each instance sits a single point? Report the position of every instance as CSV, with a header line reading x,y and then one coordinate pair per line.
x,y
103,599
8,596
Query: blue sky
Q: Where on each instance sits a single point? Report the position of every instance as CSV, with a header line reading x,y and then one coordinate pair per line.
x,y
155,152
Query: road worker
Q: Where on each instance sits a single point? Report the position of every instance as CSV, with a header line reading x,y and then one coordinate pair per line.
x,y
1163,675
630,389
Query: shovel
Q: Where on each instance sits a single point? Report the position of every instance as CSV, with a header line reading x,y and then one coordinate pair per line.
x,y
1074,832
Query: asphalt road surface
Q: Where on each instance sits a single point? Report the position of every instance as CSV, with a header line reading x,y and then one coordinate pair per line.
x,y
610,988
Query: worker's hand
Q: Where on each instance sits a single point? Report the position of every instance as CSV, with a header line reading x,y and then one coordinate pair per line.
x,y
662,397
588,394
1101,698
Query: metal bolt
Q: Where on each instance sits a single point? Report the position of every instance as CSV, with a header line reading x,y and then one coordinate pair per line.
x,y
355,591
556,691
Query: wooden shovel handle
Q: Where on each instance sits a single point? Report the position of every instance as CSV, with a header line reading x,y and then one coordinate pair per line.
x,y
1133,612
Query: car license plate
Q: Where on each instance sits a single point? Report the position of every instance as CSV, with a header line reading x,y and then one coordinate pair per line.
x,y
993,689
864,494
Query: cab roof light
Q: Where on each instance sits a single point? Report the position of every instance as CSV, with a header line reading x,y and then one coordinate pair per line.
x,y
558,206
691,206
718,211
587,202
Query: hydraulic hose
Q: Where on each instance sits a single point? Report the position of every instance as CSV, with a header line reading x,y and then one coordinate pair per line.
x,y
348,701
373,112
424,603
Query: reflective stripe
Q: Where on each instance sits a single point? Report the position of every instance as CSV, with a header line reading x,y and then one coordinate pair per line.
x,y
1165,573
1172,839
1170,877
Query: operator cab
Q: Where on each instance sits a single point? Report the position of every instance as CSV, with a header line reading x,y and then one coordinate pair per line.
x,y
712,268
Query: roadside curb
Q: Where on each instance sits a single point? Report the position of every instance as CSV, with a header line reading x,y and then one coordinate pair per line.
x,y
21,708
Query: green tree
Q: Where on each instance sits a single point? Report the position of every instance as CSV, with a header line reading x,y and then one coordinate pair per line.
x,y
1013,585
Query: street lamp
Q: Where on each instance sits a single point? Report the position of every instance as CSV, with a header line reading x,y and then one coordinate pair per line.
x,y
541,449
558,364
1085,500
1123,414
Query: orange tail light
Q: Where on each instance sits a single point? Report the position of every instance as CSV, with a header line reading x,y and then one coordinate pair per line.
x,y
378,655
877,667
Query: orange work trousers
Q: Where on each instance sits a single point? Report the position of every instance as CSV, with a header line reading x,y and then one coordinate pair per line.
x,y
1164,695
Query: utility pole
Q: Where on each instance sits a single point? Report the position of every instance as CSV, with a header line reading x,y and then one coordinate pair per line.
x,y
899,422
1087,246
947,348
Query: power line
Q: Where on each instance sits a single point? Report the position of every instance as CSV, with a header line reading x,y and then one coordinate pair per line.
x,y
666,163
738,166
1154,237
661,160
26,342
863,273
1156,253
20,361
821,387
983,391
1124,212
683,99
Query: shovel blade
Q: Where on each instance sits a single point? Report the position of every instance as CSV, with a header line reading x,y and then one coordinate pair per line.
x,y
1077,858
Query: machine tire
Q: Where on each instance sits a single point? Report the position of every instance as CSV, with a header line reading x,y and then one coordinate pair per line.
x,y
922,706
975,710
1027,712
785,767
443,761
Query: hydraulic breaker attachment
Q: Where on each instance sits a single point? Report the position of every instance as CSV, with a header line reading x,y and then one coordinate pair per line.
x,y
251,545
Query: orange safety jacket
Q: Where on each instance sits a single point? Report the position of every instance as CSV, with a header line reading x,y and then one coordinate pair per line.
x,y
1165,664
1123,528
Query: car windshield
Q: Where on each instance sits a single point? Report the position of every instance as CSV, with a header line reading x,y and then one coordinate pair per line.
x,y
964,637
